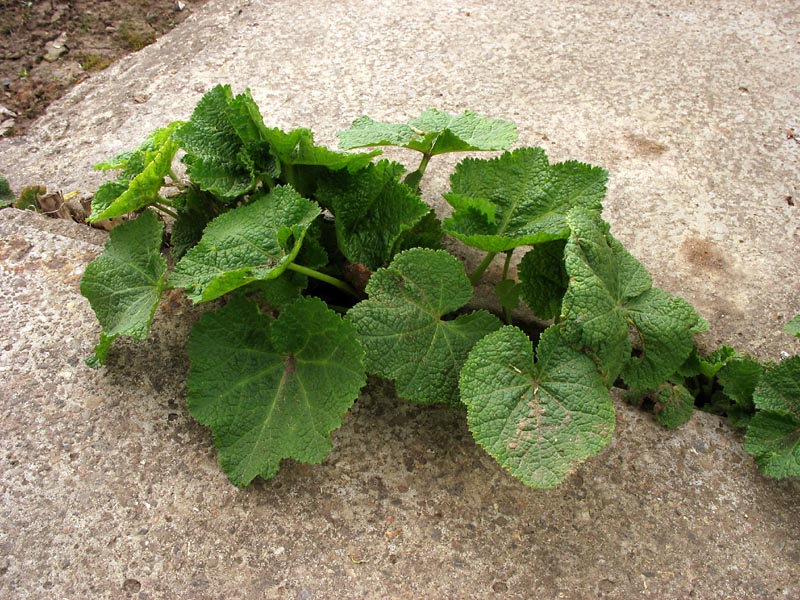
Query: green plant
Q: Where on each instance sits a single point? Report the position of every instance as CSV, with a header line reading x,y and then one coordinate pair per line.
x,y
7,196
136,35
94,62
761,398
332,268
28,198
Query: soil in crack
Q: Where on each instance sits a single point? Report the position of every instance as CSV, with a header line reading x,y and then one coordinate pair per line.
x,y
46,46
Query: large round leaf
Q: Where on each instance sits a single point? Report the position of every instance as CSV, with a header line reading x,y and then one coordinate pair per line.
x,y
537,419
272,389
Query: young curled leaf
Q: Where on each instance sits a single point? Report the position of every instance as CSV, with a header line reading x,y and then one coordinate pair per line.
x,y
142,176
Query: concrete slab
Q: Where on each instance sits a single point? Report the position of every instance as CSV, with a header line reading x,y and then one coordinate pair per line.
x,y
109,489
687,105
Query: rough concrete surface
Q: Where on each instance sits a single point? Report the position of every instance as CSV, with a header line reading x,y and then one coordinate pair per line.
x,y
111,491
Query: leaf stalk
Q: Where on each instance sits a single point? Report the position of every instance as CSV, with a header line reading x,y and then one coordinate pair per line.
x,y
414,178
506,265
337,283
478,273
166,210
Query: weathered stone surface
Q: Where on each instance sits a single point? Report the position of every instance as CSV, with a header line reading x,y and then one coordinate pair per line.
x,y
688,106
110,490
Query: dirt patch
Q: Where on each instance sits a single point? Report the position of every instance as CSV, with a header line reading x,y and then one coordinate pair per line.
x,y
645,147
46,46
703,254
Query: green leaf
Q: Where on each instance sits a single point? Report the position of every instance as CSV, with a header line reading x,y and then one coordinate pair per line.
x,y
665,326
132,163
137,188
196,209
739,379
7,197
123,284
252,242
271,390
122,160
773,435
507,292
594,319
778,389
773,440
793,327
674,405
433,132
297,148
609,298
402,329
537,419
723,382
303,163
543,278
372,210
427,233
29,198
224,140
313,254
281,291
519,199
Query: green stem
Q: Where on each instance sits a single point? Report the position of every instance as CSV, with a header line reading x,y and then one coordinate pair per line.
x,y
707,389
507,316
174,177
476,276
268,181
289,174
165,210
423,164
507,264
413,179
337,283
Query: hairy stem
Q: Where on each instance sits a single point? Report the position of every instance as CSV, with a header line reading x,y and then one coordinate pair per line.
x,y
337,283
507,264
414,178
476,276
166,210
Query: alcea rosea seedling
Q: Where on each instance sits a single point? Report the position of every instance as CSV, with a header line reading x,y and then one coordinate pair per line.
x,y
329,266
